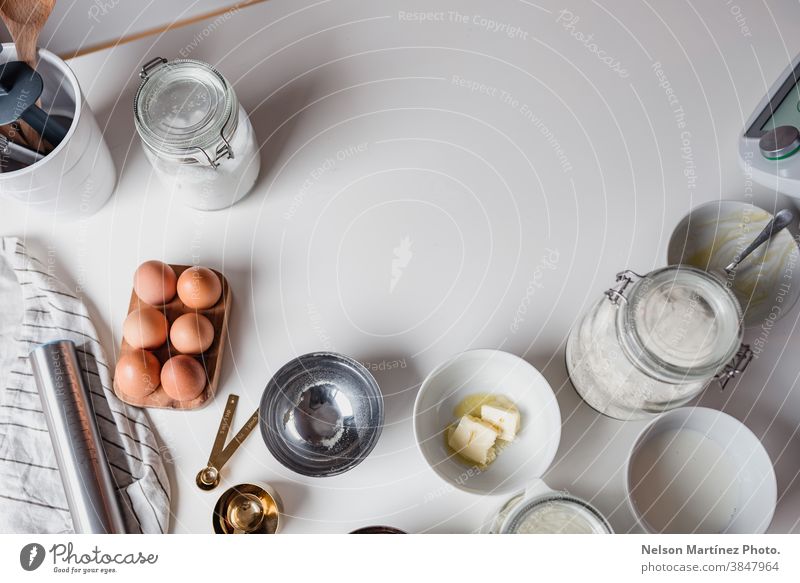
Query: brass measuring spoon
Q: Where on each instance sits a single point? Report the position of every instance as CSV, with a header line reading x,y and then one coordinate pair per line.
x,y
208,478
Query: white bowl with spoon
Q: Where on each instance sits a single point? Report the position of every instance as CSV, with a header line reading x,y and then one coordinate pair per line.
x,y
488,372
767,283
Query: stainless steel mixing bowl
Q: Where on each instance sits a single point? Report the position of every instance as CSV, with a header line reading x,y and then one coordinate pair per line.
x,y
321,414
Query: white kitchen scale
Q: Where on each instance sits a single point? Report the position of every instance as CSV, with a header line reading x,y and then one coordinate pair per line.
x,y
770,145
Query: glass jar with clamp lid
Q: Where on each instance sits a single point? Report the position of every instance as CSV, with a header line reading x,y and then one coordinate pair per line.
x,y
654,342
195,133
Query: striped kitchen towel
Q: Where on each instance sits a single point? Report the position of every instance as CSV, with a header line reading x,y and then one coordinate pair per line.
x,y
36,308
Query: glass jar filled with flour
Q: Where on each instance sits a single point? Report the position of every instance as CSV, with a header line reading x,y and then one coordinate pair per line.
x,y
540,510
195,133
654,342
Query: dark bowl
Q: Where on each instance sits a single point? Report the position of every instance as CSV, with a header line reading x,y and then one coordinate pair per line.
x,y
321,414
378,530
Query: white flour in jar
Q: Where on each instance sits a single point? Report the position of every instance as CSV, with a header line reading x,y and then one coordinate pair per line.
x,y
206,188
607,380
559,517
680,326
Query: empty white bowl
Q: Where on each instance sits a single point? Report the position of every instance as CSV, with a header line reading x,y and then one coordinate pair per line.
x,y
698,470
488,371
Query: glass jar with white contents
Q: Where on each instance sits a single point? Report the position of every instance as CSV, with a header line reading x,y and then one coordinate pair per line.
x,y
195,133
654,342
540,510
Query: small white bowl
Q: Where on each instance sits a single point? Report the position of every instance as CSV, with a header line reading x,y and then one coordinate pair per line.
x,y
488,371
698,470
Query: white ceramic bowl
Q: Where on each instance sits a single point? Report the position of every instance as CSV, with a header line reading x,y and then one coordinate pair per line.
x,y
726,485
78,176
489,371
767,284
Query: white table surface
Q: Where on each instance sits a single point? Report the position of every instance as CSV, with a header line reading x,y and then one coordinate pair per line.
x,y
479,189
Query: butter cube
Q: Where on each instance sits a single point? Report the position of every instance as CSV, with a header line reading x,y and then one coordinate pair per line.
x,y
505,420
474,439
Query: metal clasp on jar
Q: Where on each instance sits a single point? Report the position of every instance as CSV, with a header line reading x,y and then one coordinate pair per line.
x,y
150,65
735,367
224,151
624,279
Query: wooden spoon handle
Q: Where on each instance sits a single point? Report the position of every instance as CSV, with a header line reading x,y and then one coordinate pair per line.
x,y
13,132
34,140
25,38
10,132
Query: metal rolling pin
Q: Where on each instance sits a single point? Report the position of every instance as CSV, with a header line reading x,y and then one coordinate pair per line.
x,y
90,488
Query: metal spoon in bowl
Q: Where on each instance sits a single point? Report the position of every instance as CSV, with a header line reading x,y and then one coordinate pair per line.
x,y
782,219
18,153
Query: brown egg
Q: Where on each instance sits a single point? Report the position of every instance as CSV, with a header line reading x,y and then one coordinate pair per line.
x,y
191,333
154,282
137,373
183,378
145,328
199,288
